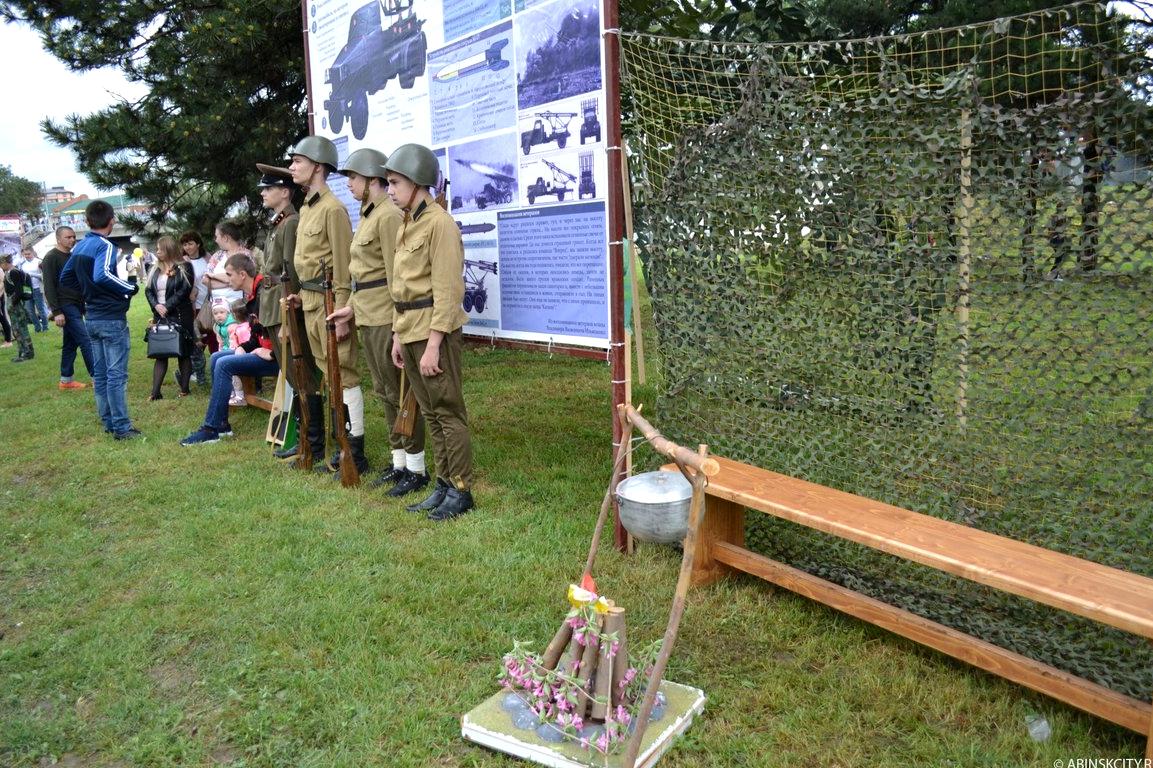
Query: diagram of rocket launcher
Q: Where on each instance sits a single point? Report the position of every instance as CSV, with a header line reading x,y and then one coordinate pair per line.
x,y
587,187
373,55
559,185
591,127
475,294
557,130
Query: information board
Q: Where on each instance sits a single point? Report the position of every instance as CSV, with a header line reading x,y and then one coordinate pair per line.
x,y
510,95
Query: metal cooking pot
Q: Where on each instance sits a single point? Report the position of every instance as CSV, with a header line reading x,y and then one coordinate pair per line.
x,y
654,506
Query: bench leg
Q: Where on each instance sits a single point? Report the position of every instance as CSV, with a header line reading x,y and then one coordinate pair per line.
x,y
1149,743
724,520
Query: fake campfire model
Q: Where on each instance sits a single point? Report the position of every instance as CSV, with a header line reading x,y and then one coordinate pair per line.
x,y
585,700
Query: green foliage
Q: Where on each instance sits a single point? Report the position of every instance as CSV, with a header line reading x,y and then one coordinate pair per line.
x,y
226,89
18,194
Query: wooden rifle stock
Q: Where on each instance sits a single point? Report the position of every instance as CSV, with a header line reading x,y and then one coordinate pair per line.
x,y
302,374
349,475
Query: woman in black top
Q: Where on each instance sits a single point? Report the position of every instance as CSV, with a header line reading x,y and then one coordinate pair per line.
x,y
169,293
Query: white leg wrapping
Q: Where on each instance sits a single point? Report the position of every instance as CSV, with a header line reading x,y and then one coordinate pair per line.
x,y
354,402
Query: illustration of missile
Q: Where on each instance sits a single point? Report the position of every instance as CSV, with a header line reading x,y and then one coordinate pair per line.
x,y
489,59
475,229
487,170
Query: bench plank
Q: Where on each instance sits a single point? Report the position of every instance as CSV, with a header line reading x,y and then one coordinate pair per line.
x,y
1107,595
1112,706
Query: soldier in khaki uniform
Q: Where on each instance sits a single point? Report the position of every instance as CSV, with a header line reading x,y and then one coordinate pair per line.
x,y
371,308
323,237
427,287
276,191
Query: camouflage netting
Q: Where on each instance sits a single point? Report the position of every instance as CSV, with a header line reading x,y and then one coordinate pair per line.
x,y
918,269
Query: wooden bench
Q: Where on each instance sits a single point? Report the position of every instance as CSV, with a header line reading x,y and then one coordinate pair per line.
x,y
248,384
1106,595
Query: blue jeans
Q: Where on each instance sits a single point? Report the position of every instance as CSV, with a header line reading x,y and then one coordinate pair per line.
x,y
38,309
110,345
75,338
224,365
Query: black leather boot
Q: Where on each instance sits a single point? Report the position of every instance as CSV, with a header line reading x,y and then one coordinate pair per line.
x,y
434,499
358,457
411,482
390,476
315,436
455,504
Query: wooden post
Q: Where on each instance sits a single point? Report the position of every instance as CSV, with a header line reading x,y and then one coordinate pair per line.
x,y
964,254
724,521
630,254
1149,737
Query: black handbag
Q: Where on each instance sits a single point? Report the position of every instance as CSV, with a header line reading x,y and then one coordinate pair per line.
x,y
164,340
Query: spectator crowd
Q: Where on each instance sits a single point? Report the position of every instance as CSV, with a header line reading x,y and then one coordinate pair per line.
x,y
307,308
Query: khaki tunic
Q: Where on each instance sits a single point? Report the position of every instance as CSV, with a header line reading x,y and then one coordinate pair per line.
x,y
323,238
429,262
372,252
371,256
278,251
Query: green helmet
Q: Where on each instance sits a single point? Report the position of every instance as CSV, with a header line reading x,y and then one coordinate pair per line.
x,y
367,162
416,162
317,149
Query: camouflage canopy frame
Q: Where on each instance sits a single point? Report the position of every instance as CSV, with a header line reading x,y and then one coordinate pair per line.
x,y
919,269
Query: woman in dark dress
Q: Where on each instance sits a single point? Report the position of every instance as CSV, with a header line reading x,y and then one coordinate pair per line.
x,y
169,293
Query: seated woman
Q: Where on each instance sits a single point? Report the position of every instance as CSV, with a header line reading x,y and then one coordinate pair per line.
x,y
230,239
253,358
169,292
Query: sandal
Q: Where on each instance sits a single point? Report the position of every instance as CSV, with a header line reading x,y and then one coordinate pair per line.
x,y
156,396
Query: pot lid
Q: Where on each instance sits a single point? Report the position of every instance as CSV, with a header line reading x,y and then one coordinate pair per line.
x,y
655,488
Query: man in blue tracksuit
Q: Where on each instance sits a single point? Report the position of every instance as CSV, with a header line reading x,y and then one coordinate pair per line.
x,y
92,270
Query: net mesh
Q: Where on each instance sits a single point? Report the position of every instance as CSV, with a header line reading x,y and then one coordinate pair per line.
x,y
918,269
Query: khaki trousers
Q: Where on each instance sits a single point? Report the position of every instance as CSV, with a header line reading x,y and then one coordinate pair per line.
x,y
317,330
441,398
376,342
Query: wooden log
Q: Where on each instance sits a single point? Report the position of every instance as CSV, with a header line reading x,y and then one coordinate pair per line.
x,y
620,666
662,444
572,656
584,675
556,646
609,669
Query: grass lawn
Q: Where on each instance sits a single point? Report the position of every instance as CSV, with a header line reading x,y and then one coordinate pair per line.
x,y
165,606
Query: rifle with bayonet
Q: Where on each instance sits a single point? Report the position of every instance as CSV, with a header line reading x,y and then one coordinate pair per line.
x,y
301,375
349,475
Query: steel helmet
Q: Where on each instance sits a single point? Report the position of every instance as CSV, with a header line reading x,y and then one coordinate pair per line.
x,y
416,162
366,162
317,149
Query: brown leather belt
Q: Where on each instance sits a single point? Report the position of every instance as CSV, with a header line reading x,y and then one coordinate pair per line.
x,y
368,284
404,306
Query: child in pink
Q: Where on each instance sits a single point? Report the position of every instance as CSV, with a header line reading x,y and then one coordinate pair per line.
x,y
239,332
